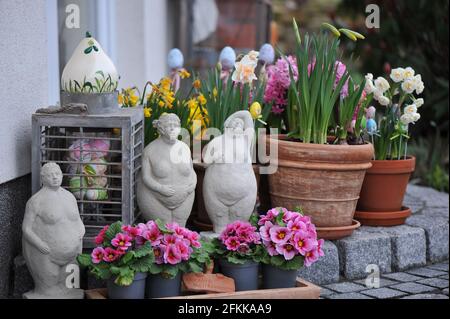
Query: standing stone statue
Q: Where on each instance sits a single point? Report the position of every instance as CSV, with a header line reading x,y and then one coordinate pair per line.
x,y
52,237
165,188
229,185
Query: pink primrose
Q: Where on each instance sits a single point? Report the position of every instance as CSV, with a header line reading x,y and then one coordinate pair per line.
x,y
97,255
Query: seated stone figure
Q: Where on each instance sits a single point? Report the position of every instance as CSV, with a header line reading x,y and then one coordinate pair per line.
x,y
52,237
229,185
165,188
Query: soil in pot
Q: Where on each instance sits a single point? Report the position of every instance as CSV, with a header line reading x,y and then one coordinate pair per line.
x,y
274,277
245,275
160,287
134,291
325,180
201,219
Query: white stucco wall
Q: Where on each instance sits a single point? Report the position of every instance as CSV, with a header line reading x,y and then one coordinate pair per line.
x,y
23,80
142,41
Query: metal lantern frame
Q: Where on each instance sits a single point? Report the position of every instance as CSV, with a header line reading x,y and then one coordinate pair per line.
x,y
53,133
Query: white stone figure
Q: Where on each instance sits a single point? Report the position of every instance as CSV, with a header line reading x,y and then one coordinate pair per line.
x,y
52,238
165,188
229,185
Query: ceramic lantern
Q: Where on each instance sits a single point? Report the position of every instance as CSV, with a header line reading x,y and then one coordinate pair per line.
x,y
89,70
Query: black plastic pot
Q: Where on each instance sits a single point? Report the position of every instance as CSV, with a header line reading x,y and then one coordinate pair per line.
x,y
134,291
160,287
274,277
245,275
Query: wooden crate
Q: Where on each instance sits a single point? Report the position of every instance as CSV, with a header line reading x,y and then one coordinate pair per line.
x,y
304,290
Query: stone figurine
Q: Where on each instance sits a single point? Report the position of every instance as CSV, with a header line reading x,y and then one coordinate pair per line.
x,y
165,188
229,185
52,237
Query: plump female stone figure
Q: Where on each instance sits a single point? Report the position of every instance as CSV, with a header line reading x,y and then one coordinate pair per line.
x,y
165,188
229,185
52,237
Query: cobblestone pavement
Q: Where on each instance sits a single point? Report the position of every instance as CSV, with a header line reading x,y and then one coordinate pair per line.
x,y
429,282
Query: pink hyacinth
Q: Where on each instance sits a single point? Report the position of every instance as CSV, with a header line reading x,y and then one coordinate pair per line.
x,y
97,255
110,254
121,241
279,235
278,81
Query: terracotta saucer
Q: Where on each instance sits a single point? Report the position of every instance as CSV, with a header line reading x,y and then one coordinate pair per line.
x,y
332,233
383,218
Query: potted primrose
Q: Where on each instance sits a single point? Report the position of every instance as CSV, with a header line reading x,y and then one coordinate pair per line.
x,y
290,242
121,259
177,250
238,249
385,183
322,160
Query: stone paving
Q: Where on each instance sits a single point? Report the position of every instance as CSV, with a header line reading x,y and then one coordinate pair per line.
x,y
412,259
417,283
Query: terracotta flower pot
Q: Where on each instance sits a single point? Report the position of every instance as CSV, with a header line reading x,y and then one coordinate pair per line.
x,y
325,180
201,219
382,193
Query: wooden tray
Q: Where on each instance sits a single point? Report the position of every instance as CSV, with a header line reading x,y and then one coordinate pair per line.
x,y
304,290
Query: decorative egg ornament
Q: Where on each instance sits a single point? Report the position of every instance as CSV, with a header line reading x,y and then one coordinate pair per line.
x,y
89,70
227,58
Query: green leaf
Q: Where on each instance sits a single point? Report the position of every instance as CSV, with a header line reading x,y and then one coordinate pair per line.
x,y
143,264
84,260
112,231
194,267
88,50
162,227
144,250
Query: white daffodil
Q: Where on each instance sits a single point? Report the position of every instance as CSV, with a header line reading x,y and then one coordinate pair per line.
x,y
383,100
369,87
245,70
410,109
369,77
408,73
420,87
408,86
253,55
382,84
397,74
419,102
407,118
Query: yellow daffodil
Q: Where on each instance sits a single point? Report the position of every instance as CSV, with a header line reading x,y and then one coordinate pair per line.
x,y
255,110
120,99
147,112
184,74
202,99
197,84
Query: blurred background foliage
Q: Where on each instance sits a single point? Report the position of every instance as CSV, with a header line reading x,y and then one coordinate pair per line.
x,y
412,33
